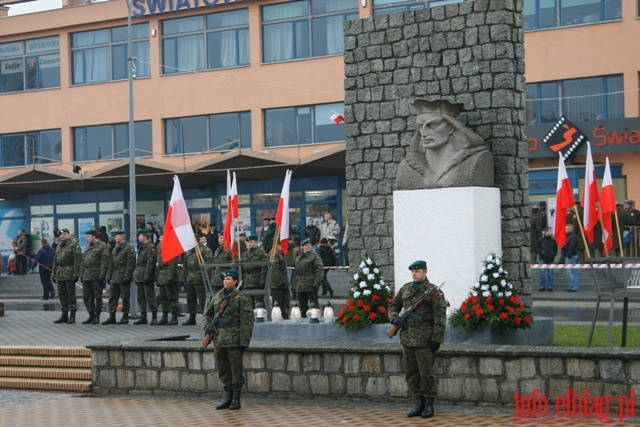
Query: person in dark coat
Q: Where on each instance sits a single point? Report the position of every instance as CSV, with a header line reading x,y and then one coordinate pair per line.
x,y
44,258
570,251
536,231
212,238
329,259
547,249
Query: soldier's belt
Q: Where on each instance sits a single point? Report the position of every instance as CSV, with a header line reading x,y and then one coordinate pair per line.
x,y
420,319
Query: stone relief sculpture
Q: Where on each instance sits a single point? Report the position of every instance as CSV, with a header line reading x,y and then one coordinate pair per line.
x,y
443,152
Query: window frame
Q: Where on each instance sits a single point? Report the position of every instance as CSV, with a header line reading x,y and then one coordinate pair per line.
x,y
115,129
269,133
563,19
25,54
29,140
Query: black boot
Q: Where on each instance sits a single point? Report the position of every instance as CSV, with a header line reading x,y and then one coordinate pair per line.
x,y
111,320
89,319
163,320
227,401
124,320
191,320
96,320
428,408
63,319
154,318
235,400
72,317
142,320
417,410
174,319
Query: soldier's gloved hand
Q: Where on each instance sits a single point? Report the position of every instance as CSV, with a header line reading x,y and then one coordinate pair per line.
x,y
398,323
209,331
434,346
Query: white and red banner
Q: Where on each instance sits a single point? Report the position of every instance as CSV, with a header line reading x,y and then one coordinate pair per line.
x,y
589,197
232,215
608,207
337,118
282,214
178,234
564,200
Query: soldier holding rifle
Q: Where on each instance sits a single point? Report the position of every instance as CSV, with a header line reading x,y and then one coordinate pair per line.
x,y
232,330
421,335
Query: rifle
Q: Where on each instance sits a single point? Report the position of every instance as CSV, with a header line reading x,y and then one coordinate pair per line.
x,y
216,319
393,330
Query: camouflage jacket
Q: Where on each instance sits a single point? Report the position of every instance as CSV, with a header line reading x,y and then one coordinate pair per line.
x,y
95,262
279,278
430,318
146,263
236,325
220,255
190,271
67,261
256,276
167,271
122,263
309,272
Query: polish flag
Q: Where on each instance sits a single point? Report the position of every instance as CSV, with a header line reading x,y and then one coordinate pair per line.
x,y
232,215
282,214
607,206
178,234
589,197
564,200
337,118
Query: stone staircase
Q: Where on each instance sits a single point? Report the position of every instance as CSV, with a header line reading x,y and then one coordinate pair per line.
x,y
45,368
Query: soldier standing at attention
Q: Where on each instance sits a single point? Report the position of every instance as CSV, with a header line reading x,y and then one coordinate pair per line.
x,y
309,275
167,277
220,255
280,291
192,277
120,273
66,267
421,337
235,329
145,277
254,277
95,262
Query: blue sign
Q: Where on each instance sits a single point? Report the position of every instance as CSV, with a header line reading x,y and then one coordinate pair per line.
x,y
153,7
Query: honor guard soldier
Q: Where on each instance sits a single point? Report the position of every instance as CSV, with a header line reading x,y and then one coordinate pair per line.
x,y
254,277
95,262
167,277
220,255
192,277
309,274
121,266
420,336
279,286
145,277
66,267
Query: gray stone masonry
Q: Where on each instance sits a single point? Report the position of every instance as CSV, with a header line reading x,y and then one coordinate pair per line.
x,y
470,53
474,375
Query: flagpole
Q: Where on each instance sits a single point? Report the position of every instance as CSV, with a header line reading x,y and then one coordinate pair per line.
x,y
604,244
615,213
275,242
584,239
198,252
238,241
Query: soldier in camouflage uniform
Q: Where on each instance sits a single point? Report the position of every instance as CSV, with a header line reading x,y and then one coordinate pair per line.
x,y
309,275
145,277
167,277
280,291
254,277
220,255
235,329
420,336
192,277
120,273
66,267
95,262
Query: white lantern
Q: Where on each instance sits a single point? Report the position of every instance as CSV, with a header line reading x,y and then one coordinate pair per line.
x,y
276,313
295,315
314,313
259,312
328,314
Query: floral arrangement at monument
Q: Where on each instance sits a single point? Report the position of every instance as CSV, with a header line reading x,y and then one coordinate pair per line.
x,y
492,302
367,299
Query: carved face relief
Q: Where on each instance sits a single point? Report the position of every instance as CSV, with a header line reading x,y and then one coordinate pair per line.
x,y
435,132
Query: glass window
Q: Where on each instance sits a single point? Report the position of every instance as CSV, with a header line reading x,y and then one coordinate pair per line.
x,y
101,55
303,125
217,132
228,39
555,13
381,7
30,65
38,147
110,141
301,29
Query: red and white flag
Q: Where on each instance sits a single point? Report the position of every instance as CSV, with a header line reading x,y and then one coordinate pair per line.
x,y
232,215
564,200
337,118
282,214
178,234
608,207
589,197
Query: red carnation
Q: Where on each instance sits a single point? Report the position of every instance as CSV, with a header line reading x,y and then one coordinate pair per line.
x,y
474,299
479,313
340,315
501,301
372,316
350,301
360,303
375,297
503,316
345,320
514,299
367,308
517,320
476,307
352,307
489,300
382,309
489,307
356,317
466,317
527,320
511,310
463,308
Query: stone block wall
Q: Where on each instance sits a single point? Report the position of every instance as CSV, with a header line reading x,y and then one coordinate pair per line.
x,y
471,53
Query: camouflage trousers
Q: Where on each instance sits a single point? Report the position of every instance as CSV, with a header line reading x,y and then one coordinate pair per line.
x,y
418,368
168,297
283,298
116,291
67,295
92,295
195,297
306,297
230,369
146,296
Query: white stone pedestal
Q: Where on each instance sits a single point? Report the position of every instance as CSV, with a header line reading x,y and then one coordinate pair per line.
x,y
452,229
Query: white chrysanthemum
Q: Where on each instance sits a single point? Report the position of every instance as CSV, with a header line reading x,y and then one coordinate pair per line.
x,y
496,275
484,278
486,294
498,261
507,294
500,270
477,285
369,261
365,271
500,294
510,286
489,266
366,292
355,276
377,287
382,282
371,277
503,282
484,287
376,270
387,288
475,294
495,288
362,265
363,285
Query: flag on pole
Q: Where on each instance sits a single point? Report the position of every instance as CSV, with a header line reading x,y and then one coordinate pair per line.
x,y
232,215
607,206
589,197
178,233
337,118
564,200
282,214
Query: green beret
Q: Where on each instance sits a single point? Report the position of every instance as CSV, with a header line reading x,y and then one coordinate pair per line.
x,y
418,265
116,232
143,231
65,230
252,237
196,235
92,233
231,273
305,242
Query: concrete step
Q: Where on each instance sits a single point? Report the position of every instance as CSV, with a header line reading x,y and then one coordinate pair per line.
x,y
48,385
